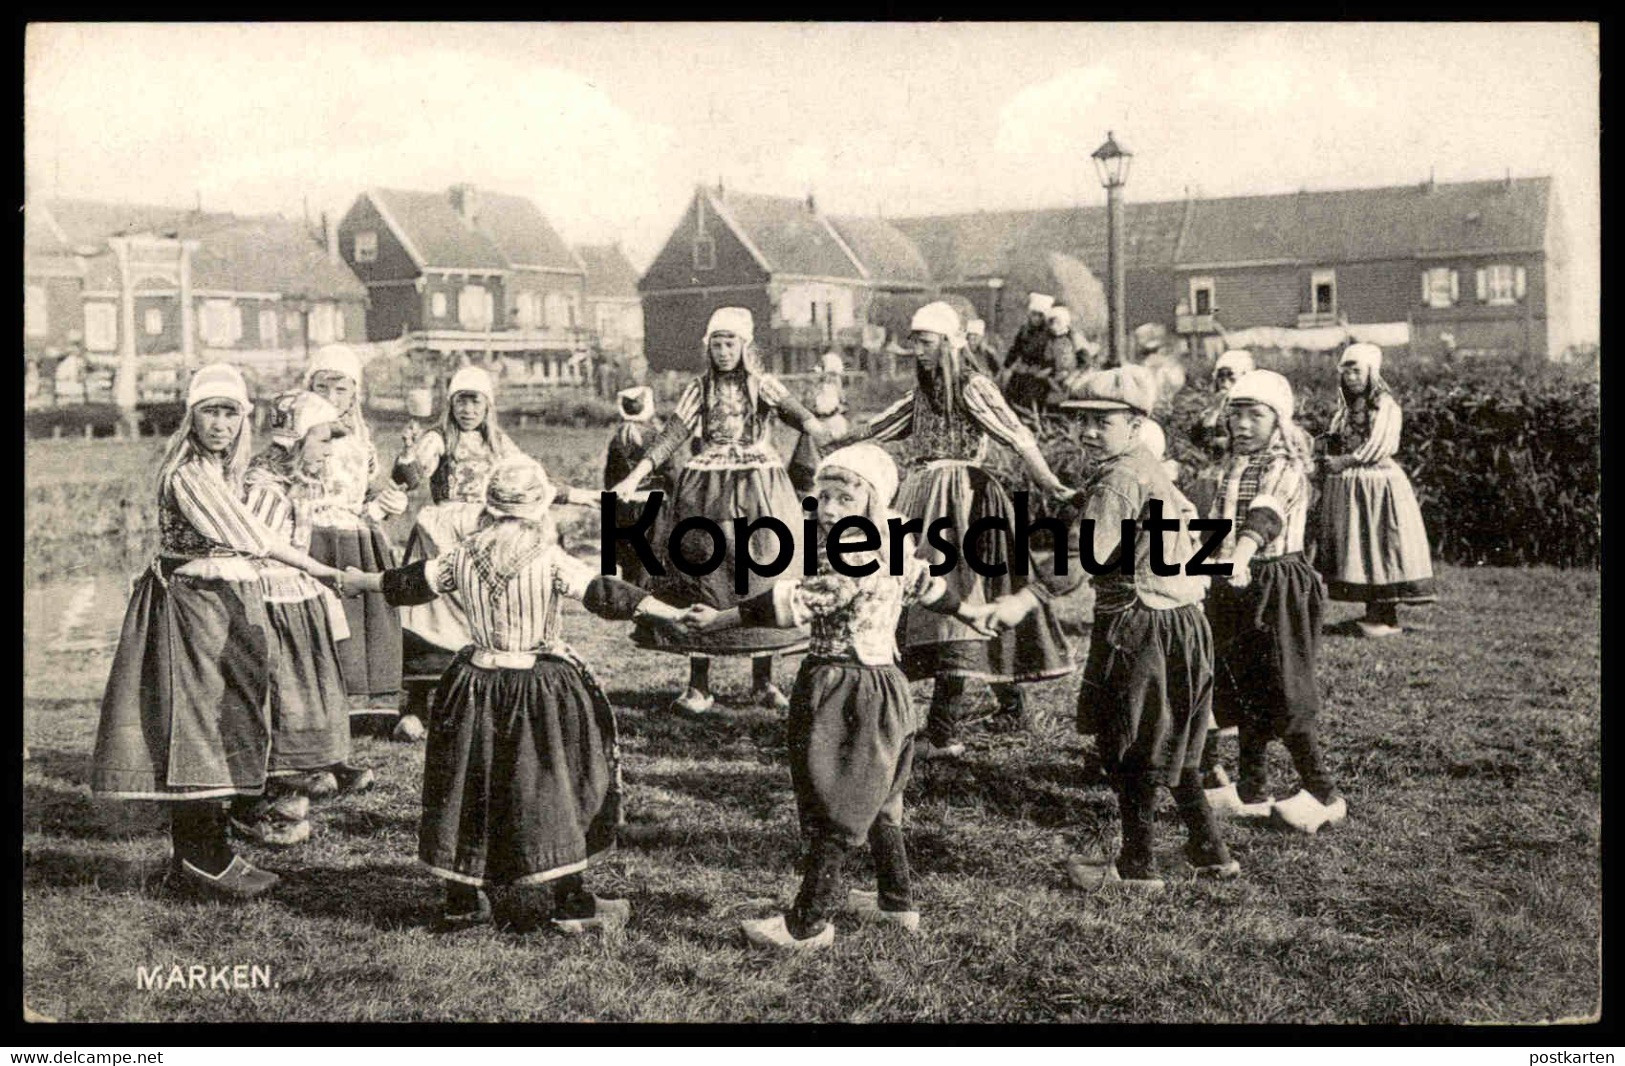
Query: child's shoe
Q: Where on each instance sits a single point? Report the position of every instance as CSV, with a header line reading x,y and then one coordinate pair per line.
x,y
1304,813
770,697
462,913
1226,802
694,702
865,906
353,779
608,914
272,832
774,933
1377,630
317,784
1095,876
238,881
409,730
924,749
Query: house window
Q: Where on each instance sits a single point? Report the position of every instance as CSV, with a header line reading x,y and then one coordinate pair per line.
x,y
557,311
321,323
101,327
437,305
527,310
36,314
1502,284
1202,296
1439,287
474,307
290,321
366,246
705,252
268,337
153,321
217,321
1323,292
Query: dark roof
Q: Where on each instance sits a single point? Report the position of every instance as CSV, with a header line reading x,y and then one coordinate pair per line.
x,y
609,273
271,257
883,249
88,223
984,243
1361,224
519,229
434,231
789,236
255,255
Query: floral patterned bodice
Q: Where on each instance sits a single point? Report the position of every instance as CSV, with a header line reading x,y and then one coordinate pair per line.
x,y
347,482
462,472
938,436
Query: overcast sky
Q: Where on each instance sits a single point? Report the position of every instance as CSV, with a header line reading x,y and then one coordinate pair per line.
x,y
609,126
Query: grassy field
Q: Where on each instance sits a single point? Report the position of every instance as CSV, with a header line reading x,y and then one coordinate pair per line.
x,y
1464,888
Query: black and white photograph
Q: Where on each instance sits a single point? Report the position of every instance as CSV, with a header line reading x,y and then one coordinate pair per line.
x,y
935,523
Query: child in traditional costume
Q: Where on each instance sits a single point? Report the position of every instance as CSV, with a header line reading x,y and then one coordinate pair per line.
x,y
1266,618
851,722
1373,547
1211,431
736,474
347,531
457,457
943,426
1148,685
521,779
310,712
186,715
829,406
636,433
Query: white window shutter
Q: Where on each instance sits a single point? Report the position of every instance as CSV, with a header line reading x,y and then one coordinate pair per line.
x,y
1455,286
1427,290
1520,282
1483,285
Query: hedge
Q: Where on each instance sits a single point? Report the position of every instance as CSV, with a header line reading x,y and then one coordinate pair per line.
x,y
1505,457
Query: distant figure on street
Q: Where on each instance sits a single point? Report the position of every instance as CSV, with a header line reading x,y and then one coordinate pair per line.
x,y
979,350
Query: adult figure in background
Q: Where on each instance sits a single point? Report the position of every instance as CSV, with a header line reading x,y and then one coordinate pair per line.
x,y
943,426
1025,383
347,530
186,718
736,474
635,435
1373,546
981,353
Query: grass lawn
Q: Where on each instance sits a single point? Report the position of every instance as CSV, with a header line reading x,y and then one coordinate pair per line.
x,y
1465,886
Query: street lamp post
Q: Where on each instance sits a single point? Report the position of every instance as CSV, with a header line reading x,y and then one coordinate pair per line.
x,y
1112,164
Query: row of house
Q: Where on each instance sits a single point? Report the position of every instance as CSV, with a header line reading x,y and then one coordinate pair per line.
x,y
463,271
1462,268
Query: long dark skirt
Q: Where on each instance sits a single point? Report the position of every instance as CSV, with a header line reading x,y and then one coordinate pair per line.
x,y
1266,641
185,714
939,645
521,780
310,721
371,658
722,495
1147,689
851,729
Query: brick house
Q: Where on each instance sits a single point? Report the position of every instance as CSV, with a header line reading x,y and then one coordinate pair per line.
x,y
469,271
790,265
256,290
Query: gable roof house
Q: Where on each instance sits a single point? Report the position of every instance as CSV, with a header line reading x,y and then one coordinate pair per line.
x,y
1471,267
257,290
778,256
469,270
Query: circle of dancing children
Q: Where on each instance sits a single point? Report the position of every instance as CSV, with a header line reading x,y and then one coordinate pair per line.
x,y
1148,683
943,426
852,722
347,531
186,717
310,710
1266,617
521,778
736,474
1373,547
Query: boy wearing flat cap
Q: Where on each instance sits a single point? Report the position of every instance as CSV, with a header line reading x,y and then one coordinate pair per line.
x,y
1148,682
